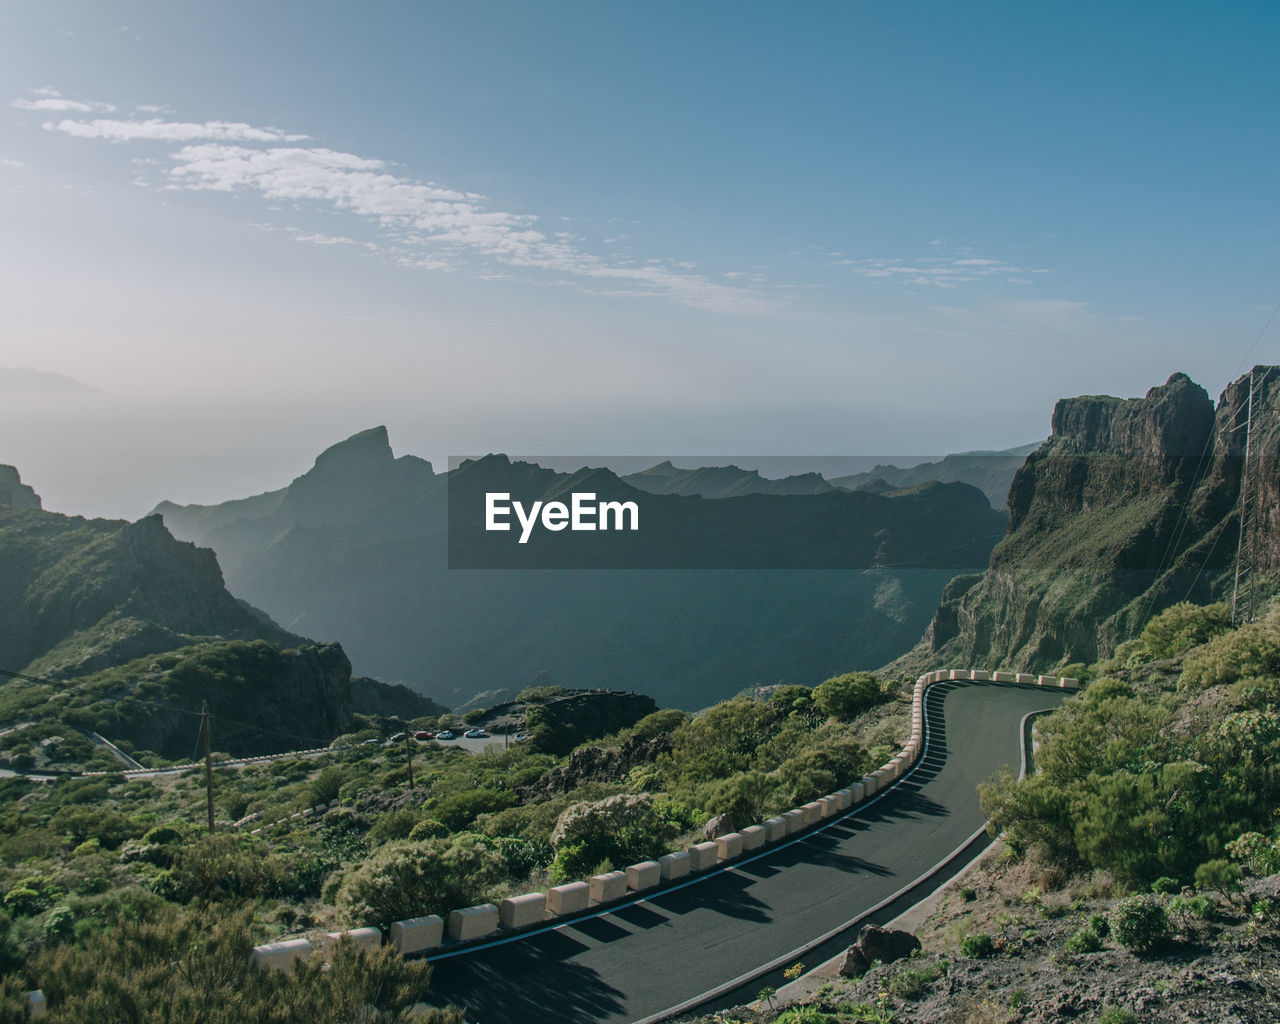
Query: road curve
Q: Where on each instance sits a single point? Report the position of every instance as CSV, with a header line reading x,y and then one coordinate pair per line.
x,y
642,960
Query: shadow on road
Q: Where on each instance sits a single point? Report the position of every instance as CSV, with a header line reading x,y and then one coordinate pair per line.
x,y
550,989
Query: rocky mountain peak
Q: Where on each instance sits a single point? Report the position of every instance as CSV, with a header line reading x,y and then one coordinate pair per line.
x,y
1173,419
14,493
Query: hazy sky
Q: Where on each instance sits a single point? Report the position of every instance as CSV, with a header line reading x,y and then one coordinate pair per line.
x,y
855,227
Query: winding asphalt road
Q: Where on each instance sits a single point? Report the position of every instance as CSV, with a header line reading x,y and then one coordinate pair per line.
x,y
706,942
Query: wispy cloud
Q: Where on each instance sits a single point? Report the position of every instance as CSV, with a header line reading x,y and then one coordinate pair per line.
x,y
950,271
415,223
50,100
156,130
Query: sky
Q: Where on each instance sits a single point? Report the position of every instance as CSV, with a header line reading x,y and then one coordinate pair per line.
x,y
235,234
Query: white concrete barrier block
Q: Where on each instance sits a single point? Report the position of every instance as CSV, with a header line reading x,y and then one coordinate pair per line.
x,y
473,922
703,856
1004,677
417,933
753,837
829,806
1024,677
775,829
958,673
608,887
570,898
812,812
522,911
37,1005
1047,681
729,847
1070,684
859,791
845,798
675,865
978,675
645,875
868,784
941,676
367,939
795,820
279,956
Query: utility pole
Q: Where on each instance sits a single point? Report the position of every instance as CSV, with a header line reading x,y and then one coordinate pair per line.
x,y
408,748
208,762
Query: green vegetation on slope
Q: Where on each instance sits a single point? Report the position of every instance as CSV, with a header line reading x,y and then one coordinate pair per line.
x,y
1164,761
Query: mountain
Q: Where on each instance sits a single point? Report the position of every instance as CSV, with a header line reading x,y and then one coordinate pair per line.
x,y
1129,506
121,609
358,549
989,471
721,482
84,594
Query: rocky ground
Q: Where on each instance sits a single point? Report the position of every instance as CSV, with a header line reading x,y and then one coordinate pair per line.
x,y
1219,962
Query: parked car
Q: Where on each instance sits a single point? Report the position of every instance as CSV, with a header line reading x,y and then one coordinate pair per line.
x,y
475,734
446,735
424,734
519,738
398,737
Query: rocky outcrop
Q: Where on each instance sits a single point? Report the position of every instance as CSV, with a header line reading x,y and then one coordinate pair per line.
x,y
597,764
14,493
1128,507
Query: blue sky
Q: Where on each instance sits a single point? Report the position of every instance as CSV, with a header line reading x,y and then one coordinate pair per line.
x,y
857,228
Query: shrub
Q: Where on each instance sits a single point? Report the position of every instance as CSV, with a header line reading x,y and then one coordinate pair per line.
x,y
1261,853
624,829
1117,1015
409,879
1218,875
977,946
1183,626
1165,886
847,696
1140,923
1100,925
1086,940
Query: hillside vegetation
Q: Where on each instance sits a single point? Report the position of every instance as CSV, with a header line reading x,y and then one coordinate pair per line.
x,y
97,875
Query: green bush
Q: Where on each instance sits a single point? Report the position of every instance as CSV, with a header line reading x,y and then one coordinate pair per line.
x,y
977,946
1100,925
407,879
1183,626
1140,923
847,696
624,829
1218,875
1261,853
1086,940
1165,886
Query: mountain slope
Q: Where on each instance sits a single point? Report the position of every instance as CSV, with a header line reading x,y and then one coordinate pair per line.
x,y
1129,507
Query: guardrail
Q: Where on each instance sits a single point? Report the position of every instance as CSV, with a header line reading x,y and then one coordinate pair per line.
x,y
516,914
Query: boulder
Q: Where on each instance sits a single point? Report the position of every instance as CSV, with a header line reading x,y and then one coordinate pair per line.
x,y
720,825
885,944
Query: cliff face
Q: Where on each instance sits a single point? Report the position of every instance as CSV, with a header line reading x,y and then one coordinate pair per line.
x,y
81,595
1128,507
14,493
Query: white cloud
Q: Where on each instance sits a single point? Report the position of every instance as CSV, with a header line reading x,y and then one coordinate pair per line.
x,y
156,130
58,104
417,223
